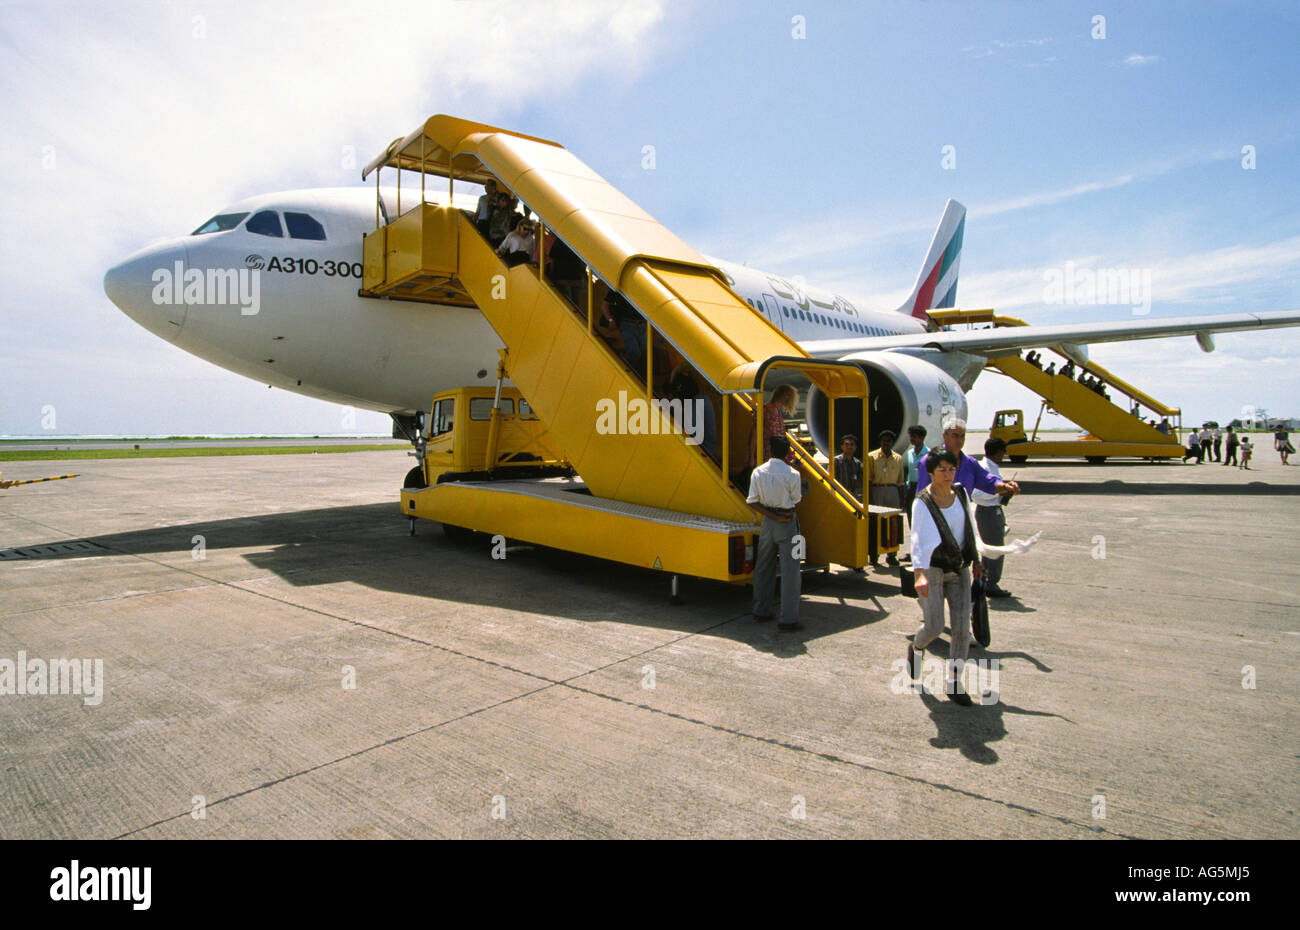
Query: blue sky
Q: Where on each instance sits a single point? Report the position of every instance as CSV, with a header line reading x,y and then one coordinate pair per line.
x,y
819,156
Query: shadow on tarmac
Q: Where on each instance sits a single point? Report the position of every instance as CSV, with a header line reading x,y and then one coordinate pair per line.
x,y
370,545
972,729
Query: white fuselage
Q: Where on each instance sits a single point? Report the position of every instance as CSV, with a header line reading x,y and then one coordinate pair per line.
x,y
308,331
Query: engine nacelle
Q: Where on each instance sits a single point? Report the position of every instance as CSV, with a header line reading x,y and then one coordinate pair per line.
x,y
904,391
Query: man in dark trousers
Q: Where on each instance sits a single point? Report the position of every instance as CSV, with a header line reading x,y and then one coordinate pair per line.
x,y
774,490
1233,442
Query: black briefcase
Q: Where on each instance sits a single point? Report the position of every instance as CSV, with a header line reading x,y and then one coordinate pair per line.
x,y
979,613
909,581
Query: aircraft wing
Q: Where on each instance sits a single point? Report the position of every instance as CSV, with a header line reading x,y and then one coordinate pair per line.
x,y
1003,340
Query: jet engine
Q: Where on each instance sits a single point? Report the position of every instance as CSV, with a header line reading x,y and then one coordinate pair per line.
x,y
904,391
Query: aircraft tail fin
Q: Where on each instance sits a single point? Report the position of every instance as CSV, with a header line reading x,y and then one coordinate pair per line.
x,y
936,285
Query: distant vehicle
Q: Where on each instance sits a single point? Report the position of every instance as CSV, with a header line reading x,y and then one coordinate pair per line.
x,y
1009,426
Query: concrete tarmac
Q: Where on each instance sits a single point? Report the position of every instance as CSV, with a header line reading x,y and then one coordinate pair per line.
x,y
280,657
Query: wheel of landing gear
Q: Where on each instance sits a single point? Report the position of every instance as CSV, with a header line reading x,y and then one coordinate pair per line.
x,y
415,478
1019,459
1095,459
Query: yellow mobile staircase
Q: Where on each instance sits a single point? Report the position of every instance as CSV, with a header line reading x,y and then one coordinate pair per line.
x,y
560,362
1113,430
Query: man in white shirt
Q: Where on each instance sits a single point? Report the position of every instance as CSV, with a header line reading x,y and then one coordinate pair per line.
x,y
774,490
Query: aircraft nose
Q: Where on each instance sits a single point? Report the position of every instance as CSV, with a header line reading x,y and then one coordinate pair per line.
x,y
134,286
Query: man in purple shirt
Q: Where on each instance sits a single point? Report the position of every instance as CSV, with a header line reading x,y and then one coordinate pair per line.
x,y
969,472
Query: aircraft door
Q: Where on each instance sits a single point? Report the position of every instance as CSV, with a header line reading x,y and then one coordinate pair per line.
x,y
773,311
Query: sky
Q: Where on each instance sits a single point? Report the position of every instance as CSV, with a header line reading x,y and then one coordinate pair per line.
x,y
809,139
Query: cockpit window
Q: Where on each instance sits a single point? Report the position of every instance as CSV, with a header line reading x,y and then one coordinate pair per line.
x,y
220,223
303,226
266,223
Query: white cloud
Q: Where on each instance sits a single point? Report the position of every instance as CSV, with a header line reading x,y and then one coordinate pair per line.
x,y
1136,61
129,122
989,49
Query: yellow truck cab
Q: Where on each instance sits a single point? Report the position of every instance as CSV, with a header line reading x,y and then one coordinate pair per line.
x,y
1009,426
472,434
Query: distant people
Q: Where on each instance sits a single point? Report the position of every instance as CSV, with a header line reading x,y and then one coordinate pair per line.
x,y
1164,426
969,472
1217,445
774,491
520,246
619,312
916,453
1233,441
990,519
1068,370
1035,359
1207,443
945,555
1246,450
1050,369
1193,447
486,204
848,467
503,220
1282,443
888,474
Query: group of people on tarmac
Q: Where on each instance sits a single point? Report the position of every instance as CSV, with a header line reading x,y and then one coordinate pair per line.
x,y
955,507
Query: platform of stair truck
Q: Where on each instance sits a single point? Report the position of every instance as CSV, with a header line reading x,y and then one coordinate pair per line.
x,y
561,513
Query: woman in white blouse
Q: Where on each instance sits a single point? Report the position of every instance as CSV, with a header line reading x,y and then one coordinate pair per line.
x,y
950,580
519,246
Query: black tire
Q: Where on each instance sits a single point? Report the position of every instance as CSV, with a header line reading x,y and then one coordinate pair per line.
x,y
1019,459
1095,459
415,478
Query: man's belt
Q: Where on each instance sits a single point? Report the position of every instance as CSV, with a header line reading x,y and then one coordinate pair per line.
x,y
780,509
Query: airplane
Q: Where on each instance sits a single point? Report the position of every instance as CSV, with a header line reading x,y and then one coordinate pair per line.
x,y
301,325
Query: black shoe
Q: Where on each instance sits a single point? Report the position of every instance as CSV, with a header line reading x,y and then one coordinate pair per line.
x,y
761,618
789,627
957,694
891,560
995,591
911,663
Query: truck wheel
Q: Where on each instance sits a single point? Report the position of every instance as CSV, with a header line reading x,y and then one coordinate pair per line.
x,y
415,478
1019,459
1095,459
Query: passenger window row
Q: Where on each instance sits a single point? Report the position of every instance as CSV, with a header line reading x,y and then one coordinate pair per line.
x,y
808,316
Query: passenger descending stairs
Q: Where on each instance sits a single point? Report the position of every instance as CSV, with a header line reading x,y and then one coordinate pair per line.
x,y
565,369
